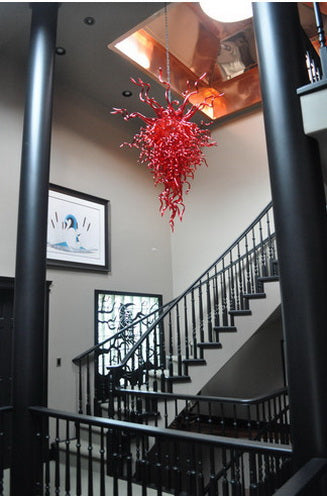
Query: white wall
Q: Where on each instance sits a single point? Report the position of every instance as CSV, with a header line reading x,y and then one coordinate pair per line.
x,y
85,156
224,199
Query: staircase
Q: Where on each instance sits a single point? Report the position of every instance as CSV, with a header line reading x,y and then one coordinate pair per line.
x,y
183,344
180,346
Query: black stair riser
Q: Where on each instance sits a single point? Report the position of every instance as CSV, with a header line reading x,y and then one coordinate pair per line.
x,y
225,328
240,313
210,345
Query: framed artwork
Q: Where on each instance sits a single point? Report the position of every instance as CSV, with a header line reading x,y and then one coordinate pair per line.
x,y
114,310
77,230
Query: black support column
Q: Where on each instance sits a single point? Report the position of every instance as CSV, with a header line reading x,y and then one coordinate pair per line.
x,y
300,217
28,359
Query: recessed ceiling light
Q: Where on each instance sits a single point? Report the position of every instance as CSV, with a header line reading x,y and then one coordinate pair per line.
x,y
60,50
89,21
127,93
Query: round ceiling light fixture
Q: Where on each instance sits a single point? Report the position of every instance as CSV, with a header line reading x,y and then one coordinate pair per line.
x,y
89,20
237,10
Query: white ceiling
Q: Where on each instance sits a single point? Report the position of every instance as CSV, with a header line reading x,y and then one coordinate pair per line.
x,y
88,66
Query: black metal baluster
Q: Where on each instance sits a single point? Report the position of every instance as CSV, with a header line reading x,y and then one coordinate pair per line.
x,y
171,348
249,422
271,265
201,319
210,418
144,359
198,417
78,460
238,485
67,460
209,314
195,347
129,472
57,459
144,471
47,485
222,419
258,286
102,464
253,474
80,388
177,473
235,423
190,472
241,304
232,472
200,475
249,279
216,300
166,412
225,485
90,463
186,330
231,290
224,294
158,467
162,356
155,358
263,253
179,343
212,474
88,387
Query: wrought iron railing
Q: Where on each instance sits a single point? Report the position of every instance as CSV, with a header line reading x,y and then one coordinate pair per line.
x,y
110,351
126,455
194,320
264,418
316,61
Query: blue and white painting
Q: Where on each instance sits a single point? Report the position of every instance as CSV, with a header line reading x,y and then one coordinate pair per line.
x,y
74,229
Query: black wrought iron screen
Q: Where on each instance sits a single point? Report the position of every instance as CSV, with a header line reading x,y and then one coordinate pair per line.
x,y
92,455
193,322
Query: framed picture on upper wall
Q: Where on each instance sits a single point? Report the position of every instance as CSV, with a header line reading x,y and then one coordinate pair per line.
x,y
78,235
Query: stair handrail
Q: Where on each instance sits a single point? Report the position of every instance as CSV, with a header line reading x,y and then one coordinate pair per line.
x,y
179,298
116,335
197,397
170,303
265,448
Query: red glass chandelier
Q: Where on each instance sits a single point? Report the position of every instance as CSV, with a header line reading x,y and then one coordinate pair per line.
x,y
170,144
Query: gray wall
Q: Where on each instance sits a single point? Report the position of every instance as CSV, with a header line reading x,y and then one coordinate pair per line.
x,y
256,368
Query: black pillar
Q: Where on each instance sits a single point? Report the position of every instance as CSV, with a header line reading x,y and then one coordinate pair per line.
x,y
300,217
29,315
